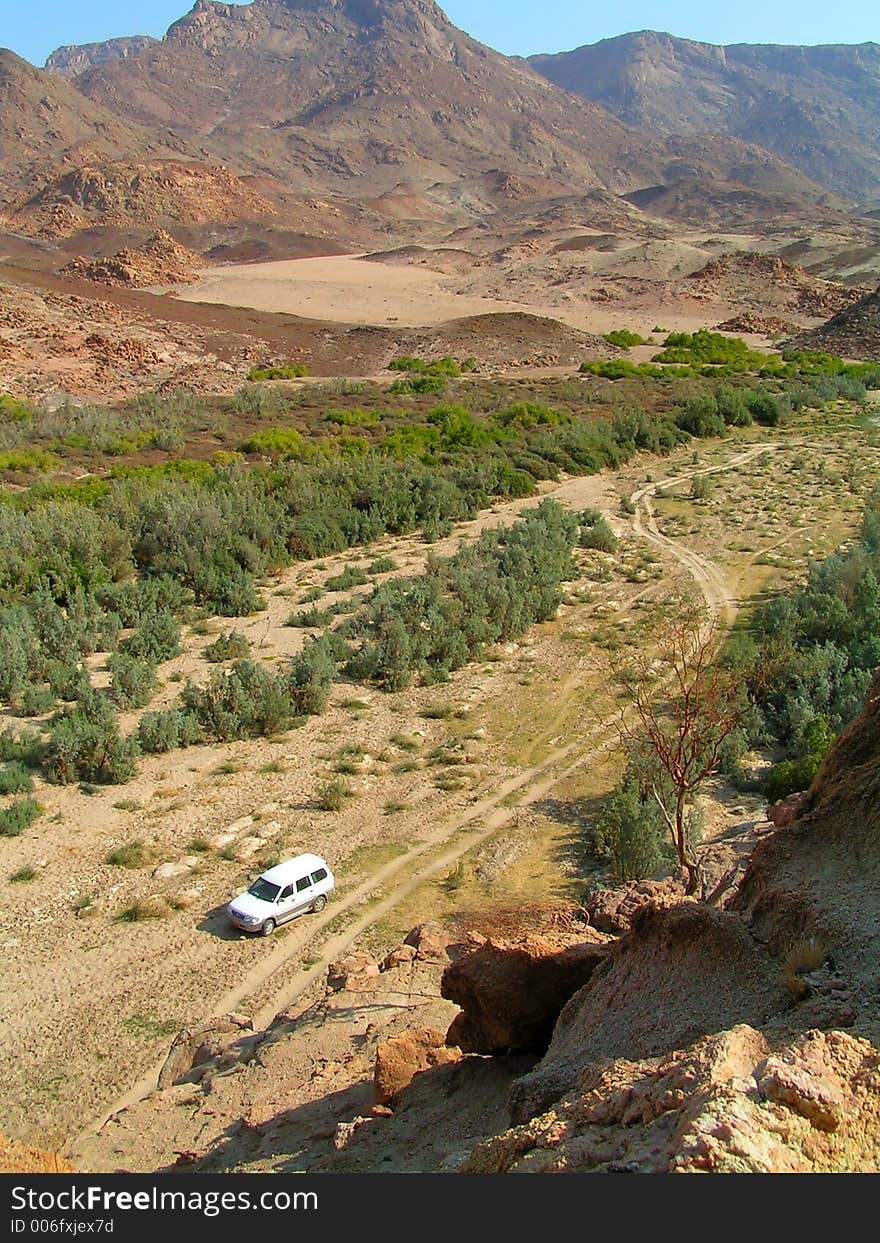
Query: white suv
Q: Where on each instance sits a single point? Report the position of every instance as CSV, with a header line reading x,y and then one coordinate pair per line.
x,y
290,889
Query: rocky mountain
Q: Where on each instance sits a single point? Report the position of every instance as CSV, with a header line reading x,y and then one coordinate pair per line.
x,y
387,102
75,59
817,108
47,124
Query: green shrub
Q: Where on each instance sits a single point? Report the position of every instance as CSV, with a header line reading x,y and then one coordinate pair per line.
x,y
333,795
418,384
353,418
19,816
595,532
312,673
630,833
382,565
277,442
15,779
66,681
131,855
37,701
351,576
85,745
624,338
132,681
23,461
245,701
21,747
310,618
231,646
702,487
289,371
160,732
157,640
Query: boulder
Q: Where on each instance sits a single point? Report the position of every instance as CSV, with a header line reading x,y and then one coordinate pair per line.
x,y
402,1057
197,1045
612,910
356,970
398,957
430,940
511,994
787,810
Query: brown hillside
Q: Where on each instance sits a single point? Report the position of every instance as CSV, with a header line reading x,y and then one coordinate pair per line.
x,y
126,194
815,107
46,124
160,261
388,98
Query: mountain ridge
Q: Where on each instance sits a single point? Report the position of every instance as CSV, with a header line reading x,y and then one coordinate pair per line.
x,y
817,107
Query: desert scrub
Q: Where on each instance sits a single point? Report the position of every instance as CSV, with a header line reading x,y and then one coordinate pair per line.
x,y
131,855
351,576
595,532
333,795
15,779
132,682
288,371
309,619
232,646
37,701
160,732
19,816
23,875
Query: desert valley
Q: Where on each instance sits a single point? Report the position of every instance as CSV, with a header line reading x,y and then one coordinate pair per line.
x,y
466,469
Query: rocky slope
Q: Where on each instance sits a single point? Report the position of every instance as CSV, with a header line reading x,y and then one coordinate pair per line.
x,y
160,261
124,195
817,108
853,332
387,101
72,60
47,124
742,1040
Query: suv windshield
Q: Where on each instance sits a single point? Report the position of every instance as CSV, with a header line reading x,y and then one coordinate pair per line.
x,y
264,889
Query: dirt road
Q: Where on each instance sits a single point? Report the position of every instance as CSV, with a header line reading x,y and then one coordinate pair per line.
x,y
389,885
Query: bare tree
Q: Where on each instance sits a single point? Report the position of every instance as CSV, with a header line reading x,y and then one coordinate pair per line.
x,y
680,707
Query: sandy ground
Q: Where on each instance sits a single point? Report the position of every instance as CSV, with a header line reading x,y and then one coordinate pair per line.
x,y
352,290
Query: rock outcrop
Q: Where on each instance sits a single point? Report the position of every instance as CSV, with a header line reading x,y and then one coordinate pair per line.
x,y
402,1057
160,261
201,1044
854,332
511,994
728,1104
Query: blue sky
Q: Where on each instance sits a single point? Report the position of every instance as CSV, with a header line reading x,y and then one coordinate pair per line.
x,y
518,27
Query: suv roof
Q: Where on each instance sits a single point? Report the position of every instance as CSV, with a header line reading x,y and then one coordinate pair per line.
x,y
293,869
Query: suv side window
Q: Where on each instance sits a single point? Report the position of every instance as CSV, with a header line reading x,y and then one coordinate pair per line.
x,y
321,874
286,893
305,883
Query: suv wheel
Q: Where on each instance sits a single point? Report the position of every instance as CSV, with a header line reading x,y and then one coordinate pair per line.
x,y
319,903
268,928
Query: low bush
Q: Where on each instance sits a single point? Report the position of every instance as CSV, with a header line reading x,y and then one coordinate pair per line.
x,y
37,701
231,646
132,681
15,779
19,816
289,371
160,732
631,833
595,532
624,338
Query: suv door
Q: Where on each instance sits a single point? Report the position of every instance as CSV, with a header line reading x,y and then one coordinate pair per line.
x,y
305,892
286,904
